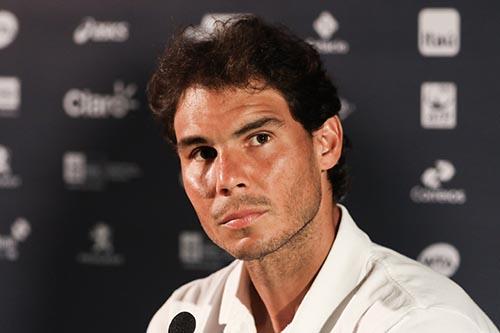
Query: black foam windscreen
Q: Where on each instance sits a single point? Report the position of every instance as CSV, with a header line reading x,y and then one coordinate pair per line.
x,y
183,322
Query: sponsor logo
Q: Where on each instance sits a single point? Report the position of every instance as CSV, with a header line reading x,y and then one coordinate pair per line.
x,y
8,28
91,30
19,231
438,105
85,104
443,258
102,250
346,108
198,253
432,178
10,96
7,178
325,26
84,171
210,23
439,32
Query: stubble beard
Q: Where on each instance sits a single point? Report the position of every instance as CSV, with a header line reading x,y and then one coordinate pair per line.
x,y
304,209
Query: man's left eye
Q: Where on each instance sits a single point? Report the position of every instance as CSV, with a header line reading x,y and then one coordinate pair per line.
x,y
259,139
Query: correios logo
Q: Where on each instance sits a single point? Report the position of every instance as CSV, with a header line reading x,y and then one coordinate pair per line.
x,y
7,178
19,231
443,258
325,26
8,28
438,105
433,192
439,32
81,103
102,250
92,30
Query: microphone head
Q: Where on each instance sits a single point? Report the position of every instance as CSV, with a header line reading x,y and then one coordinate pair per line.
x,y
183,322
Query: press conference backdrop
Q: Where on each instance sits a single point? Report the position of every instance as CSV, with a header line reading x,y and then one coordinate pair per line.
x,y
95,230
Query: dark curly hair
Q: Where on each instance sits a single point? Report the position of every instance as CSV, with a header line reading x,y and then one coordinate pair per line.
x,y
238,52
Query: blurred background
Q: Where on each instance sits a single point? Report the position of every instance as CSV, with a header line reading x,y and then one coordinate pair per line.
x,y
95,229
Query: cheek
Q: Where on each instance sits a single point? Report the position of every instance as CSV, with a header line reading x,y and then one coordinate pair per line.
x,y
281,163
195,184
289,173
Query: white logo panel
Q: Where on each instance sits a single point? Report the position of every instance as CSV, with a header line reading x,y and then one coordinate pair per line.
x,y
439,32
8,179
92,172
325,25
210,23
9,27
81,103
443,258
346,108
438,105
10,96
91,30
433,192
197,253
102,251
19,232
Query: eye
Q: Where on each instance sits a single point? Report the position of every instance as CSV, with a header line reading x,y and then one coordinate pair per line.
x,y
204,153
259,139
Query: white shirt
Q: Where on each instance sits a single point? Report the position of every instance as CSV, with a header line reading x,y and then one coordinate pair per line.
x,y
361,287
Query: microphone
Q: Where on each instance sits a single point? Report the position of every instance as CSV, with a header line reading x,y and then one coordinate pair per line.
x,y
183,322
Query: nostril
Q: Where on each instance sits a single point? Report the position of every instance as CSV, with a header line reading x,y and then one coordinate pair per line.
x,y
240,185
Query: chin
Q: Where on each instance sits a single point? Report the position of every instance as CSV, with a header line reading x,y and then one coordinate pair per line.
x,y
251,250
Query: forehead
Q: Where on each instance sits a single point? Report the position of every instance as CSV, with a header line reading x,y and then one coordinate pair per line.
x,y
201,111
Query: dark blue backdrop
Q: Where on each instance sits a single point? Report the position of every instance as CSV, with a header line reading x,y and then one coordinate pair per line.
x,y
95,231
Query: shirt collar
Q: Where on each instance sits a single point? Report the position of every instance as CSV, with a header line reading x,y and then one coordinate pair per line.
x,y
339,275
341,272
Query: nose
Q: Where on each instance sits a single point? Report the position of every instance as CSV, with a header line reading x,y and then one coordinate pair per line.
x,y
229,173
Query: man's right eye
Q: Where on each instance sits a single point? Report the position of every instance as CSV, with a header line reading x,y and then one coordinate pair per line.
x,y
204,153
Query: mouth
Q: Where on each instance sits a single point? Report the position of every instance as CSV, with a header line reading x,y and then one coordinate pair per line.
x,y
241,219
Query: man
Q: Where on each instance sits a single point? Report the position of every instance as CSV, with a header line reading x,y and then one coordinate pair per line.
x,y
253,117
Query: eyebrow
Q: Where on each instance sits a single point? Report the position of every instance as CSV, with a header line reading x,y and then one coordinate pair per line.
x,y
200,140
257,124
191,141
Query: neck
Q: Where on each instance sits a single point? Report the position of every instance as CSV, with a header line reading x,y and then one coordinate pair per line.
x,y
274,298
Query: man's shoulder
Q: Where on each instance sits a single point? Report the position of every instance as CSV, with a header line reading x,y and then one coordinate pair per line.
x,y
194,297
406,292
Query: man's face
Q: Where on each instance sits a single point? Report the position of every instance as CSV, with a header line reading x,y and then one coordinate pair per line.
x,y
249,169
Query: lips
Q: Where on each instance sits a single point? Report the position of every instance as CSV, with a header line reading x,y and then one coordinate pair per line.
x,y
241,219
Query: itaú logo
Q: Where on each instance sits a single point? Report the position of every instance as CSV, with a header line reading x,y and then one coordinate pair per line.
x,y
433,192
92,30
85,104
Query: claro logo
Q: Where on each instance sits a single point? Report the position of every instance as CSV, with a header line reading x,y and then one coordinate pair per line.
x,y
82,103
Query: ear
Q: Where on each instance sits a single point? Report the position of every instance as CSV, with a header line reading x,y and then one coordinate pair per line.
x,y
328,143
